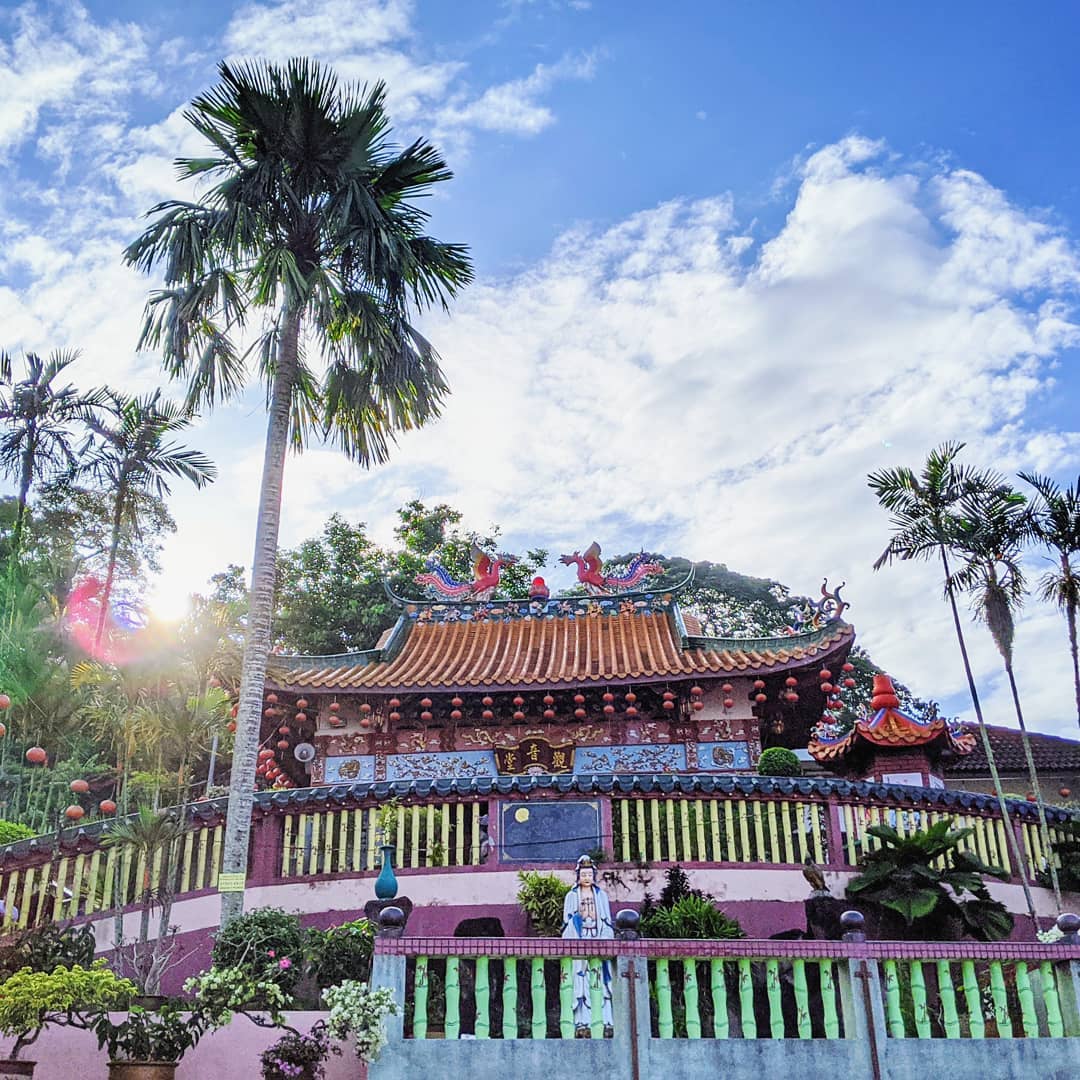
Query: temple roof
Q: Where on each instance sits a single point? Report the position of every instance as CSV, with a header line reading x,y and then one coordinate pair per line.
x,y
886,726
1050,752
590,643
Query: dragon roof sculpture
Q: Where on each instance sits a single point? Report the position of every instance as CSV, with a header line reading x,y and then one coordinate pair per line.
x,y
487,570
597,583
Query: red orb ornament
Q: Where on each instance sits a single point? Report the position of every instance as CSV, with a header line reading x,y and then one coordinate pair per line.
x,y
74,813
335,707
549,714
36,756
455,715
394,717
726,688
107,806
365,721
827,688
631,698
425,703
580,714
284,730
519,701
426,716
668,695
761,698
80,787
519,716
301,718
1031,797
3,731
5,701
265,755
1064,792
728,703
364,708
631,710
791,681
338,721
269,712
549,700
824,674
608,697
669,705
792,696
486,702
394,703
847,667
302,703
487,714
579,699
456,702
759,684
609,710
849,683
697,706
230,727
283,744
272,698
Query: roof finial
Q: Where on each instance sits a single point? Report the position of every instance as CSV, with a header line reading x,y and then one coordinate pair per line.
x,y
884,694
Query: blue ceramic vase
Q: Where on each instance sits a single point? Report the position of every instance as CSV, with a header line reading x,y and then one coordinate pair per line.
x,y
386,882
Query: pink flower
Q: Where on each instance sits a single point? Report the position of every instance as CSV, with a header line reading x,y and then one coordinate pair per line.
x,y
284,963
271,953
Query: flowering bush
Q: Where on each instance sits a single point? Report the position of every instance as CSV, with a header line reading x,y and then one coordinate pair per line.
x,y
298,1057
359,1011
266,943
220,992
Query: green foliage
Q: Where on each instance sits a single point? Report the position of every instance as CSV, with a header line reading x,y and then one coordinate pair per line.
x,y
222,991
779,761
542,896
932,883
30,999
340,953
44,948
387,820
13,831
265,943
690,917
1067,850
297,1056
165,1034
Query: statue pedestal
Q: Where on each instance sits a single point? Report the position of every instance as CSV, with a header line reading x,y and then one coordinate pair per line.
x,y
374,908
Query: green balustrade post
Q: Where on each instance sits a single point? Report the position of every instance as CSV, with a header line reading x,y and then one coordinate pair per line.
x,y
828,999
746,999
1029,1017
892,1000
1068,988
596,998
947,993
802,998
918,999
1051,1002
772,989
420,998
1001,1000
453,997
665,1023
718,988
566,998
690,996
509,997
482,1029
972,999
538,993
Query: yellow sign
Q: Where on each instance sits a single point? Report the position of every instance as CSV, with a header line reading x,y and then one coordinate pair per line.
x,y
231,882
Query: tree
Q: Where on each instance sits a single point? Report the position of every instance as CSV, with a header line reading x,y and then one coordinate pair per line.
x,y
989,536
923,509
134,460
309,222
1055,519
40,419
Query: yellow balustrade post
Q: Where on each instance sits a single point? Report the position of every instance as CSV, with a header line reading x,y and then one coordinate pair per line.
x,y
110,873
743,810
459,837
204,847
774,844
215,855
445,808
669,820
714,829
76,885
624,825
185,862
373,838
785,830
729,831
815,833
474,854
28,892
313,850
341,859
429,834
684,829
58,900
414,836
699,830
92,889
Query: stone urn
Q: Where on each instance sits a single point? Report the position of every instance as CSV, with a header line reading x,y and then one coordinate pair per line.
x,y
142,1070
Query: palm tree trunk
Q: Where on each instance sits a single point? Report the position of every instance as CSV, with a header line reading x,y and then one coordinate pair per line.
x,y
1070,619
110,573
1010,833
260,612
1044,831
25,479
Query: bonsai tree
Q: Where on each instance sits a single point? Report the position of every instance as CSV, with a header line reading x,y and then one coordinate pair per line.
x,y
932,883
67,997
160,1036
779,761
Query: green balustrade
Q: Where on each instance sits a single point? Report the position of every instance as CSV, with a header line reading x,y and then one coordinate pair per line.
x,y
509,997
566,998
538,992
690,997
802,999
1028,1015
420,996
718,989
596,998
828,999
746,999
893,1015
482,1029
918,999
453,997
947,992
665,1023
1054,1022
972,999
1001,1000
772,991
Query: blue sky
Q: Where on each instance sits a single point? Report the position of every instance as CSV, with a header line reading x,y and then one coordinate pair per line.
x,y
731,257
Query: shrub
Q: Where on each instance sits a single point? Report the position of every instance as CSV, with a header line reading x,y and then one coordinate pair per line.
x,y
45,948
542,896
13,831
779,761
340,953
690,917
267,944
360,1012
295,1056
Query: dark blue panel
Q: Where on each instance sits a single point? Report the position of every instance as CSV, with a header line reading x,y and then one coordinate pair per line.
x,y
549,831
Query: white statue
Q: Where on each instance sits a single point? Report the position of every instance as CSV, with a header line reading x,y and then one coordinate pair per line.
x,y
587,917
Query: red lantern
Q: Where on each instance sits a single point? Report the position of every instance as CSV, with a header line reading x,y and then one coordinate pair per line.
x,y
519,716
1064,792
394,717
668,695
579,699
455,715
792,696
609,709
631,710
5,701
80,787
302,703
234,712
849,683
824,674
759,684
761,698
669,705
265,755
3,731
697,706
1031,797
339,721
231,727
74,813
425,703
425,716
608,697
107,806
549,714
580,714
456,702
487,702
847,667
487,714
549,700
791,681
827,688
36,756
365,721
394,703
272,698
726,688
364,707
728,703
519,701
284,730
283,744
335,707
631,698
269,712
301,718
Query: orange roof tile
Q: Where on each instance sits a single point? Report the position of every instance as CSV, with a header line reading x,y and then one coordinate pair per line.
x,y
628,646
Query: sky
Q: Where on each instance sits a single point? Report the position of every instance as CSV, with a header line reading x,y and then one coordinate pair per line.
x,y
730,258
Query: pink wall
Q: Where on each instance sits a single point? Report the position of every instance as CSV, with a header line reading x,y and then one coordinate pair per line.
x,y
229,1054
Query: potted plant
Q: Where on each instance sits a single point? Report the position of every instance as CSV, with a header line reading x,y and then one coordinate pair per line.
x,y
70,997
148,1045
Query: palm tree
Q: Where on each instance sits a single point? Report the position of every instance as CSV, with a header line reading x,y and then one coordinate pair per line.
x,y
133,460
38,418
1056,523
310,228
923,509
989,536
